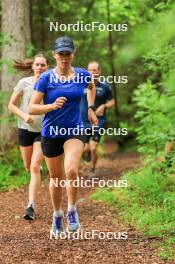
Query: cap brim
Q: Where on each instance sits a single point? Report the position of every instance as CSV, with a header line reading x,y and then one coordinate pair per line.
x,y
66,49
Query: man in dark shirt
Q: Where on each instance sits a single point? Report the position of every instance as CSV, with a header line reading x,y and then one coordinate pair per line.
x,y
103,100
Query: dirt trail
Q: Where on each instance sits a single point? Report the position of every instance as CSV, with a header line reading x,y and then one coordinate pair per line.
x,y
28,242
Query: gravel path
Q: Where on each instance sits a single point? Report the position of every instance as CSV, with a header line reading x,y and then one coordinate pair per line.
x,y
28,242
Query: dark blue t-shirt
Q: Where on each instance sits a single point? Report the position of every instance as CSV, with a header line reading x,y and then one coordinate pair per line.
x,y
103,94
69,115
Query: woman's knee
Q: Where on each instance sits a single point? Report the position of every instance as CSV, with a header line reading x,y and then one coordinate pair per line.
x,y
71,171
35,167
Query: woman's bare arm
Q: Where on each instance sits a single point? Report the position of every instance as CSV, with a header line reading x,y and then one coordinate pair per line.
x,y
13,105
36,108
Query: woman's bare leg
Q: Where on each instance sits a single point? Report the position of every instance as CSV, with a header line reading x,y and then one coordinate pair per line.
x,y
56,172
35,172
26,153
94,156
73,149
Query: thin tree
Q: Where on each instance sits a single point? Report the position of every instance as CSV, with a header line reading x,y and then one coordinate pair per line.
x,y
15,27
111,58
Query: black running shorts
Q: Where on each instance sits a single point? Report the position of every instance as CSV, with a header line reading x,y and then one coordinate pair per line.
x,y
53,147
27,138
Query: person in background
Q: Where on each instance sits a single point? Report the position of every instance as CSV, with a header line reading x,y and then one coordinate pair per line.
x,y
29,126
103,100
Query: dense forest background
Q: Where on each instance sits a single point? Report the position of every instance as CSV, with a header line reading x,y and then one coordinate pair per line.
x,y
141,53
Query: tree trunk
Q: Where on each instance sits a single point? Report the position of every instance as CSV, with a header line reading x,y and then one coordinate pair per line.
x,y
15,26
16,29
111,57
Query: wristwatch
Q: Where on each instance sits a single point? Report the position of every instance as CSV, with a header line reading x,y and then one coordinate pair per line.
x,y
91,107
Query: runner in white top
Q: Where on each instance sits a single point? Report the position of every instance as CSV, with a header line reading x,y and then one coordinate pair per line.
x,y
29,126
25,88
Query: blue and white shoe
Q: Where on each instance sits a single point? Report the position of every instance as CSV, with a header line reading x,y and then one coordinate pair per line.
x,y
73,223
57,227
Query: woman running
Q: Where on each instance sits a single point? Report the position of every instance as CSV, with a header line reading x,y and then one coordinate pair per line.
x,y
29,126
61,89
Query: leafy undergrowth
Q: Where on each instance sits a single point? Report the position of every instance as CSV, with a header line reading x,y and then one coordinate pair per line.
x,y
12,172
148,203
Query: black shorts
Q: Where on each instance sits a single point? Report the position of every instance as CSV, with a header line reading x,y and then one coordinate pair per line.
x,y
94,134
95,137
27,138
53,147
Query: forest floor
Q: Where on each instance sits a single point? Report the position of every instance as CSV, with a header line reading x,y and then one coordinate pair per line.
x,y
28,242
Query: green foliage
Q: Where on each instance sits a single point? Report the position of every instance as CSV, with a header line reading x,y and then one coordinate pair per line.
x,y
12,172
8,119
104,195
5,41
154,124
30,51
148,203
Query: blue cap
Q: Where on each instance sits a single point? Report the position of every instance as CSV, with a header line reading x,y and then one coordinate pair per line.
x,y
63,44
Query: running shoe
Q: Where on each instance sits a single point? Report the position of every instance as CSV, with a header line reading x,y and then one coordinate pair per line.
x,y
87,156
29,213
57,227
73,223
